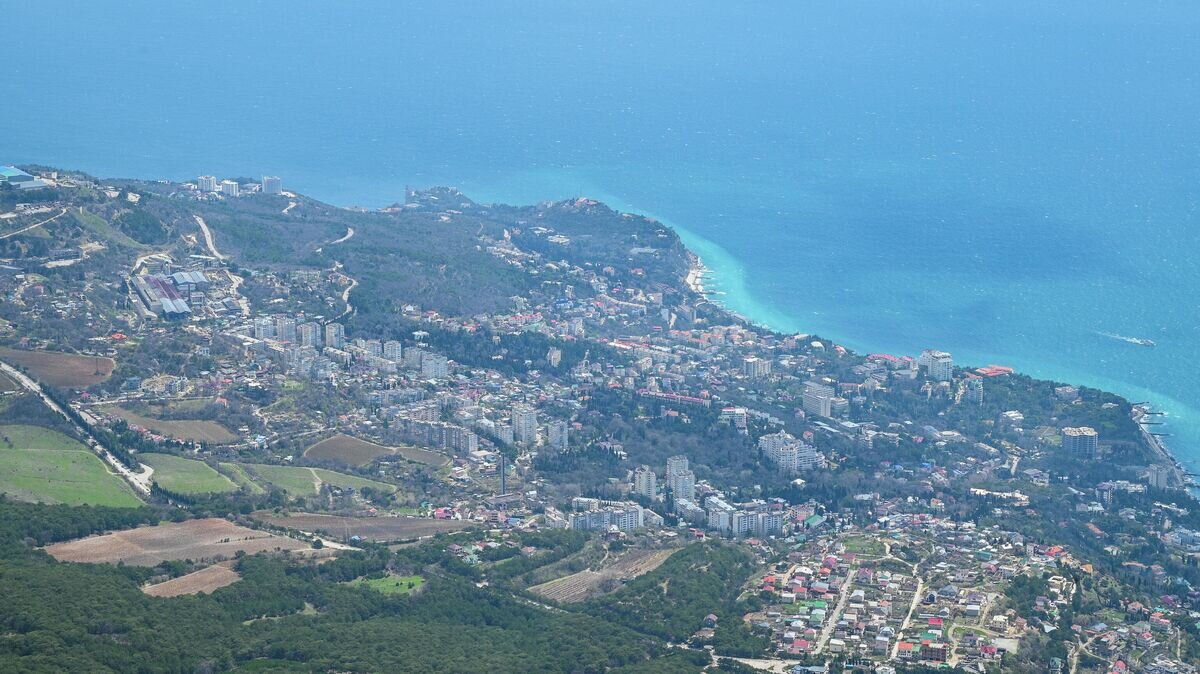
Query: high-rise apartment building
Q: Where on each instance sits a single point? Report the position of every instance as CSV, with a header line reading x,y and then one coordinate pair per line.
x,y
680,480
645,482
556,435
393,351
1081,441
818,399
309,334
335,335
938,365
285,329
525,424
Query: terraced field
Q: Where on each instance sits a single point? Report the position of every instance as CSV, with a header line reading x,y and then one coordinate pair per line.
x,y
239,475
588,583
186,476
301,481
193,539
60,369
379,529
352,451
41,465
203,581
195,430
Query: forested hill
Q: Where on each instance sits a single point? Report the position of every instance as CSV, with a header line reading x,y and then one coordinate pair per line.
x,y
437,251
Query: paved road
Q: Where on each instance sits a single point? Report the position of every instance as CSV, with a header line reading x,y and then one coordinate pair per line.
x,y
908,618
345,237
832,617
34,226
140,480
208,238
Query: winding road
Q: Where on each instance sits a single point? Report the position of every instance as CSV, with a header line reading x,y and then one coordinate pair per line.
x,y
208,238
35,225
346,237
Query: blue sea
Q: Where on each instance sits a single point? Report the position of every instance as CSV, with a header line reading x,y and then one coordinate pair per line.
x,y
1008,181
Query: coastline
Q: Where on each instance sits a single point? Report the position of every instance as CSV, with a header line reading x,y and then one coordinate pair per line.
x,y
696,273
1178,472
1179,476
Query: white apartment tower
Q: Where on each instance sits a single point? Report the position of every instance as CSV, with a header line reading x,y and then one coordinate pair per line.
x,y
393,351
556,432
310,334
680,480
818,399
939,365
335,335
645,482
525,424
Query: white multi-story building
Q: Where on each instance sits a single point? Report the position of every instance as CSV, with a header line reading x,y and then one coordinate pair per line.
x,y
285,329
264,328
335,335
974,392
680,480
818,399
504,433
720,514
1081,441
207,183
556,435
645,482
435,366
374,347
938,365
230,188
393,351
755,367
789,454
743,523
600,516
310,334
525,424
272,185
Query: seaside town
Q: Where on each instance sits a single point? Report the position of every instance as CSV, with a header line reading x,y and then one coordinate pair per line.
x,y
546,401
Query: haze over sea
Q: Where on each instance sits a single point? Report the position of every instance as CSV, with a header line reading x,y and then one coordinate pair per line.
x,y
1003,180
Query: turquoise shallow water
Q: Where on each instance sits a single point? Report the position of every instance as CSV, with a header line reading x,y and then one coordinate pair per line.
x,y
1006,181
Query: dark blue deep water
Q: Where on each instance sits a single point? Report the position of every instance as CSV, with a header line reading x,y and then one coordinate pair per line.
x,y
1004,180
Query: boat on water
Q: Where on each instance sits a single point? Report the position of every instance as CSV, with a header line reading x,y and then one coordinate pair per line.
x,y
1140,341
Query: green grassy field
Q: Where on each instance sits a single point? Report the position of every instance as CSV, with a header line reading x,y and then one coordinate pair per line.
x,y
391,584
300,481
241,477
38,464
186,476
864,546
